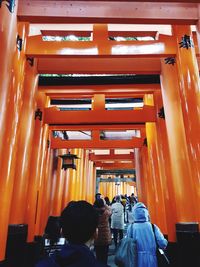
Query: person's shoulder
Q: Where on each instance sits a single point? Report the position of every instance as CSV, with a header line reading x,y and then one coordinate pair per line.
x,y
99,264
47,262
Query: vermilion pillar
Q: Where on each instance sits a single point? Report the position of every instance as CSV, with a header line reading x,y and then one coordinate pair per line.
x,y
140,175
155,195
59,183
8,131
188,74
165,166
8,37
182,180
65,197
24,137
85,160
35,168
42,182
47,189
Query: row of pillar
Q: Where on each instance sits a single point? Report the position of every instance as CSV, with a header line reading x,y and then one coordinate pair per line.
x,y
32,183
112,189
168,168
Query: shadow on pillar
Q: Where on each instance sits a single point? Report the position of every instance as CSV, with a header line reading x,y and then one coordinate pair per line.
x,y
188,244
16,245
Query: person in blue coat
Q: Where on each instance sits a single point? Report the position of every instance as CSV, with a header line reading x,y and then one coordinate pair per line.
x,y
142,232
79,222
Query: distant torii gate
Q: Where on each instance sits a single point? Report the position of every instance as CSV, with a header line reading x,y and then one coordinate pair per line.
x,y
112,180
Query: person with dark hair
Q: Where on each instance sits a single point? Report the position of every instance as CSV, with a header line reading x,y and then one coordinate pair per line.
x,y
97,196
104,238
107,200
53,230
79,221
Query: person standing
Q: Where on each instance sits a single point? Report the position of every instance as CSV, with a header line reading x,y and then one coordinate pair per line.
x,y
117,220
142,232
79,222
104,238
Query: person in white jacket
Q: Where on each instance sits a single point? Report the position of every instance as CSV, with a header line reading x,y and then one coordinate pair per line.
x,y
117,220
142,232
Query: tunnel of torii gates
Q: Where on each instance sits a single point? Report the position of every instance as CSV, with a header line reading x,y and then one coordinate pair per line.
x,y
166,154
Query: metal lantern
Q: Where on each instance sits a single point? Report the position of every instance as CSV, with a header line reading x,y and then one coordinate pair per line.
x,y
68,161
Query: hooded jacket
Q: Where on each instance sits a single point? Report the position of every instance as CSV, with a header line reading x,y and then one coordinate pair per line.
x,y
71,256
142,233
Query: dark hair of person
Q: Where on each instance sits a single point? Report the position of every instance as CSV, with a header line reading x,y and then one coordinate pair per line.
x,y
53,229
97,196
79,221
99,203
107,200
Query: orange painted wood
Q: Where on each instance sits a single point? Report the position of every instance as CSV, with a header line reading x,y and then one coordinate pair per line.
x,y
117,90
42,185
182,180
188,73
164,47
95,144
108,12
87,33
55,116
24,144
8,33
91,127
47,194
35,171
141,173
99,65
12,109
165,166
59,183
155,196
115,157
115,165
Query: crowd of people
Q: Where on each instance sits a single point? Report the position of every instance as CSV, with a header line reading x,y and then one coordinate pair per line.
x,y
89,230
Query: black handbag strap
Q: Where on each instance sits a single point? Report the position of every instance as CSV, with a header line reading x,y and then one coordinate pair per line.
x,y
153,227
166,258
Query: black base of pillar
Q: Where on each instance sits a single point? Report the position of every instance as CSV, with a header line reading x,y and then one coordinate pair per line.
x,y
188,243
16,245
3,264
172,254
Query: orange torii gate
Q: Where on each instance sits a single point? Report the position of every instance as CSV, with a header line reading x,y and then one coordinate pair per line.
x,y
25,155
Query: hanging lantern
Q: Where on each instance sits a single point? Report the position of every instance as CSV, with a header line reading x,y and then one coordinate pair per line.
x,y
68,161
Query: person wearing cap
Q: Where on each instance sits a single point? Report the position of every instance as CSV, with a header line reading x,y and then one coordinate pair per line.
x,y
142,232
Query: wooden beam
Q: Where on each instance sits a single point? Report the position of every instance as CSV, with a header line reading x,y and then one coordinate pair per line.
x,y
55,116
108,12
115,180
115,172
97,144
115,157
115,165
164,47
91,127
116,90
99,65
88,33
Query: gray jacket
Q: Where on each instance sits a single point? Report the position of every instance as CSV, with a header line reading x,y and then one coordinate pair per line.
x,y
117,218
